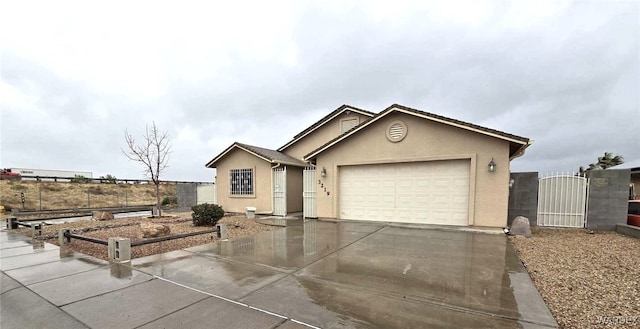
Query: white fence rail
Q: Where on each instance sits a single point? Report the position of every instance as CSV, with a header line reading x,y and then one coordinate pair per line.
x,y
563,200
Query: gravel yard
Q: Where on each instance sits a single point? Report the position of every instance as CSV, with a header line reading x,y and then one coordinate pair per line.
x,y
237,226
587,280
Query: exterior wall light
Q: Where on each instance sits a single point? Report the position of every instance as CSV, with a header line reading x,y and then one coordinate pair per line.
x,y
492,166
323,173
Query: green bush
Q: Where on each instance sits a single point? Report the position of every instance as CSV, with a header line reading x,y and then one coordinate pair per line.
x,y
169,200
79,179
108,179
206,214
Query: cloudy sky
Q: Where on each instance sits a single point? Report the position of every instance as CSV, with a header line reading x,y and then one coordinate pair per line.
x,y
75,75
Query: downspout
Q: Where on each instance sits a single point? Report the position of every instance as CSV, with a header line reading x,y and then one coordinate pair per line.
x,y
272,168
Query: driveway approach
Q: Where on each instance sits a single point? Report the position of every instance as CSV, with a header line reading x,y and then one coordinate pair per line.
x,y
308,274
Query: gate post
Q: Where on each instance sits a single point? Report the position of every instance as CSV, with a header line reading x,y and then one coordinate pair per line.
x,y
119,250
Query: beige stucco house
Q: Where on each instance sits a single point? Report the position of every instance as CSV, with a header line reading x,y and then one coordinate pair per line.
x,y
400,165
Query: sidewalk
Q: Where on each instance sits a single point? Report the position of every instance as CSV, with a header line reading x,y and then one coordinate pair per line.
x,y
305,274
49,287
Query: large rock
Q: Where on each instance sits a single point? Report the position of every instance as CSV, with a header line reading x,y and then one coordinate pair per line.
x,y
101,215
521,227
153,230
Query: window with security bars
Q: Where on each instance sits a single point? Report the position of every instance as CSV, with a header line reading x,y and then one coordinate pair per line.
x,y
241,181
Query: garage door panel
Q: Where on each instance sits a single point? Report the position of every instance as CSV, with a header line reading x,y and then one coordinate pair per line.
x,y
433,192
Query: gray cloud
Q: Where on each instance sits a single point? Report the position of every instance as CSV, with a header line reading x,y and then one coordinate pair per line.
x,y
569,80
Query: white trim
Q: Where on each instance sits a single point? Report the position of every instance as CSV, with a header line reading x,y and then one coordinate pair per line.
x,y
347,108
461,126
394,109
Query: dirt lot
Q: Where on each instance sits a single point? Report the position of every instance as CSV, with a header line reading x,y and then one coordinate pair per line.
x,y
587,280
237,226
62,195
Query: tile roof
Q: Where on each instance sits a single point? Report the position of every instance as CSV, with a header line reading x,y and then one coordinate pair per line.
x,y
273,155
269,155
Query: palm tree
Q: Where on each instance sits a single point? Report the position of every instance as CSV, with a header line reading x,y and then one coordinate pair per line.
x,y
608,160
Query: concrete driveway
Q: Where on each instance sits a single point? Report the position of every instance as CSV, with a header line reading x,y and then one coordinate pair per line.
x,y
308,274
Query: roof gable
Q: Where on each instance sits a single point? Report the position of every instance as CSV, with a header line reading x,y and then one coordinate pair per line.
x,y
271,156
517,144
343,108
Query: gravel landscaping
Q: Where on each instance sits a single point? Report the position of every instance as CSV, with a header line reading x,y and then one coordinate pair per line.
x,y
237,227
588,280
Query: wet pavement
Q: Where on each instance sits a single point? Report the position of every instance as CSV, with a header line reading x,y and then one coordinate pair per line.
x,y
305,274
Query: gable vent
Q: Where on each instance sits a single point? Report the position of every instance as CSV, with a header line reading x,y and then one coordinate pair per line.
x,y
397,131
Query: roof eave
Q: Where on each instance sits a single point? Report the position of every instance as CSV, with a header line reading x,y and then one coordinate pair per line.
x,y
525,142
211,163
324,120
520,151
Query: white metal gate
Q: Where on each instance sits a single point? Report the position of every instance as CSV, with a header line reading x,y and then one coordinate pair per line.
x,y
280,191
563,201
309,193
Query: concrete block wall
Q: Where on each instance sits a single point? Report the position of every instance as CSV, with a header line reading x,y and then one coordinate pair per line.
x,y
187,195
608,198
523,196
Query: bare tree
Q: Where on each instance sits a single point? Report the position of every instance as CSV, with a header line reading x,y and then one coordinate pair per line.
x,y
153,152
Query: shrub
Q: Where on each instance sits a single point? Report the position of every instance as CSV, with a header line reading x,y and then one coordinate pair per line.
x,y
108,179
206,214
7,208
169,200
79,179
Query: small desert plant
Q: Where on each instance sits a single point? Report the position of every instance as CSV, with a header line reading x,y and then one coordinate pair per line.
x,y
108,179
79,179
169,200
206,214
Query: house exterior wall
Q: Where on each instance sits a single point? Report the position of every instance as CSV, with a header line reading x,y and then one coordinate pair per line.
x,y
262,196
425,141
320,136
294,189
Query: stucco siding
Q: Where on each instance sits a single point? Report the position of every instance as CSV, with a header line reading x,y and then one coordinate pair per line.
x,y
425,141
322,135
261,199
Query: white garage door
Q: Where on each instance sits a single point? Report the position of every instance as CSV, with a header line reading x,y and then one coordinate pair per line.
x,y
434,192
